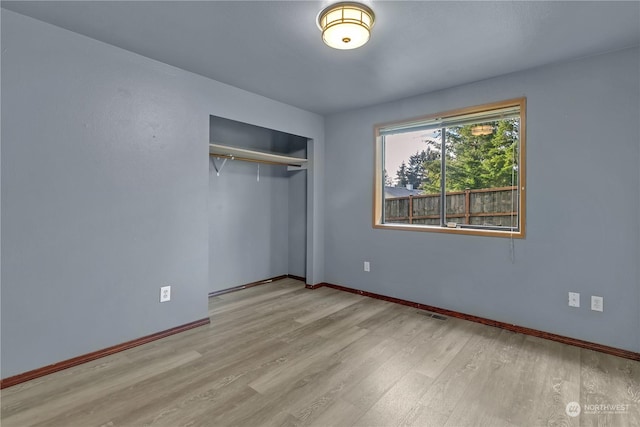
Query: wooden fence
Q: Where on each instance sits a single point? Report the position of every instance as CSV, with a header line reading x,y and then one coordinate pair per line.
x,y
487,206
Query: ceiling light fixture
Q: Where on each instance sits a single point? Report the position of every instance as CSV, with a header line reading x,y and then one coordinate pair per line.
x,y
481,130
346,25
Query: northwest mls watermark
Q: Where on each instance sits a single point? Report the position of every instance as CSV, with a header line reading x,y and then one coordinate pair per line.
x,y
574,409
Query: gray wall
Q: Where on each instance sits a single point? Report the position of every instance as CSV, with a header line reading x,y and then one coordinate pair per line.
x,y
298,219
582,138
257,229
105,191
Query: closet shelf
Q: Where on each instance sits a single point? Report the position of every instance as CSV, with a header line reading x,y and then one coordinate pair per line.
x,y
235,153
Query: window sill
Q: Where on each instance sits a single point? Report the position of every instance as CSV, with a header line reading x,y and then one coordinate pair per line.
x,y
438,229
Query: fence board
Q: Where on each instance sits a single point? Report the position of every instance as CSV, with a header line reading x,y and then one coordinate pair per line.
x,y
486,206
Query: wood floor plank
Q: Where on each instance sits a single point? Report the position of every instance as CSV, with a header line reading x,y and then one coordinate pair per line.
x,y
185,391
562,386
352,314
270,292
366,392
282,355
214,390
602,403
259,409
328,307
202,393
349,366
62,402
338,413
399,401
287,372
247,331
443,397
444,345
40,390
541,394
497,377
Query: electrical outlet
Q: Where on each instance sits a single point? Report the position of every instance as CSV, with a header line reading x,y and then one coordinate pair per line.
x,y
165,293
597,303
367,266
574,299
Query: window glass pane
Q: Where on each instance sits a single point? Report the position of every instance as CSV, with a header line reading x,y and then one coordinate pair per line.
x,y
412,178
482,174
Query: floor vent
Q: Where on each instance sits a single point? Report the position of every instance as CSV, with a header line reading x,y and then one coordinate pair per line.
x,y
432,315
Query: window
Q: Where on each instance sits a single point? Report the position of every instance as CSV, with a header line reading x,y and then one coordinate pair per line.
x,y
460,172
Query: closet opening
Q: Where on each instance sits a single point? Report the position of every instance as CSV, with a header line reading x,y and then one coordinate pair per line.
x,y
257,204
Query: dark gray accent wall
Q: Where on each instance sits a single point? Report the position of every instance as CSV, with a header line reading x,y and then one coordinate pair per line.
x,y
105,183
583,207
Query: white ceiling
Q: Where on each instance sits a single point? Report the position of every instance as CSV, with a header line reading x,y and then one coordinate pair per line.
x,y
274,48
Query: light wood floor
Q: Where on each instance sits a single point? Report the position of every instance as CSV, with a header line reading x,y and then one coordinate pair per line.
x,y
283,355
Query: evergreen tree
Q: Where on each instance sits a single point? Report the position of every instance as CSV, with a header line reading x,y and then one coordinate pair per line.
x,y
416,172
401,175
432,170
387,179
476,161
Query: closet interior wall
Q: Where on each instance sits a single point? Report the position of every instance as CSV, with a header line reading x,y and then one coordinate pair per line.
x,y
257,212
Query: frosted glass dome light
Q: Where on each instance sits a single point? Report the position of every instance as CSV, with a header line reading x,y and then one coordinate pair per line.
x,y
346,25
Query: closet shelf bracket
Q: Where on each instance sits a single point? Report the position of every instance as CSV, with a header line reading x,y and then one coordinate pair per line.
x,y
219,169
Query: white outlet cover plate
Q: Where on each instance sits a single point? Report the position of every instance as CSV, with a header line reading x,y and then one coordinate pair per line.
x,y
165,293
574,299
597,303
367,266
